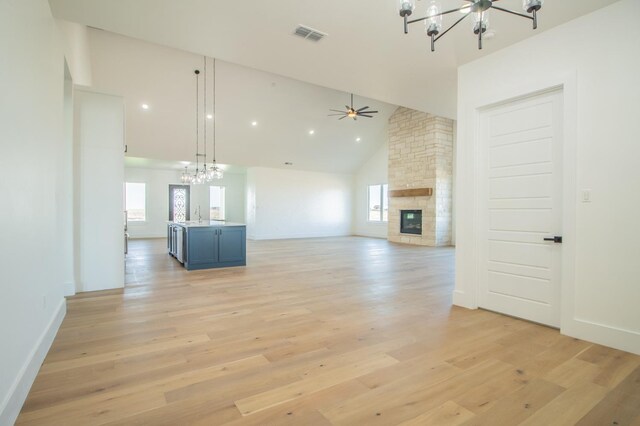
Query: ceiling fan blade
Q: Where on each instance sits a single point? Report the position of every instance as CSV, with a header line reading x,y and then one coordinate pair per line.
x,y
368,116
344,116
337,110
368,112
334,115
347,107
363,108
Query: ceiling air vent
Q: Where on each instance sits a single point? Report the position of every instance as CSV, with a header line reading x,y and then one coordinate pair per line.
x,y
308,33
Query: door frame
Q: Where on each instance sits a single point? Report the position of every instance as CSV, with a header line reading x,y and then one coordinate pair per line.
x,y
467,254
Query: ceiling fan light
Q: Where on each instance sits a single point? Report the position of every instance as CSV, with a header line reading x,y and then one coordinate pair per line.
x,y
406,7
532,5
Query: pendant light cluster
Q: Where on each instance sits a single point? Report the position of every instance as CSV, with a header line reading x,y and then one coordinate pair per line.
x,y
205,173
479,9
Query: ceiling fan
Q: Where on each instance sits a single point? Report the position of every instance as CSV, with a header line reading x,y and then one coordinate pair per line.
x,y
351,112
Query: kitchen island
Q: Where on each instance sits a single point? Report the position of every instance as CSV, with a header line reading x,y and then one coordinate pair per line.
x,y
207,244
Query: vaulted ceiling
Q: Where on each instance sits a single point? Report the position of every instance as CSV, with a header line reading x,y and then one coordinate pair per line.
x,y
291,118
365,51
284,83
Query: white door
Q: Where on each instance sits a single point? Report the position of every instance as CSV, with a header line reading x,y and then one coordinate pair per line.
x,y
521,200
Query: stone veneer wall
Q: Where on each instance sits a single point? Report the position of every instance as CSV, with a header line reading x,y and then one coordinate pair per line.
x,y
421,155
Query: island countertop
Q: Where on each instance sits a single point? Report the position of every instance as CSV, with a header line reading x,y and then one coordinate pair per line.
x,y
207,244
206,223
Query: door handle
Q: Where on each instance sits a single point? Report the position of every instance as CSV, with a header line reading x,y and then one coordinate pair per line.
x,y
555,239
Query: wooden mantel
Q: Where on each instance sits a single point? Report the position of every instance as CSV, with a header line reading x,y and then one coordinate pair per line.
x,y
413,192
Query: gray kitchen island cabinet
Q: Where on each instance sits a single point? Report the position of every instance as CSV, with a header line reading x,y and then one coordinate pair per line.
x,y
210,244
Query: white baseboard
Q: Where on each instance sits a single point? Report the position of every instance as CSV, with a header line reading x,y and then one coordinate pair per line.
x,y
613,337
365,235
12,404
288,236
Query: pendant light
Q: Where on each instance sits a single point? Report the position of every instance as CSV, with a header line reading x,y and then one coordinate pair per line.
x,y
196,177
214,172
186,177
202,176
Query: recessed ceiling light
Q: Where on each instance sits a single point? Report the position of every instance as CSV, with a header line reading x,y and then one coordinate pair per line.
x,y
358,139
288,163
254,123
145,106
209,116
311,132
185,163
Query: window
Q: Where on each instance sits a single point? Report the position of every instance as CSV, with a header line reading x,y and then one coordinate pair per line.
x,y
378,203
135,202
216,203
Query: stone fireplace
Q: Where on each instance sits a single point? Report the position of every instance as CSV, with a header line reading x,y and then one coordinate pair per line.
x,y
420,176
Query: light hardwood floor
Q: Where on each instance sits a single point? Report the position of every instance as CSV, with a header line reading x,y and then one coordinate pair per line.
x,y
344,331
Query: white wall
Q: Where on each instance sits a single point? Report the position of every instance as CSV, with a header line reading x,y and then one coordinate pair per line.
x,y
33,190
76,51
298,204
599,72
66,217
99,142
251,204
374,171
157,183
235,197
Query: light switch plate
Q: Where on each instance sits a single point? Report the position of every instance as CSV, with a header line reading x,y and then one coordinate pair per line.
x,y
586,195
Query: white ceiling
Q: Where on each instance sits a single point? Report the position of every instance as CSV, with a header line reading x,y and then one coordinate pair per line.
x,y
365,52
285,110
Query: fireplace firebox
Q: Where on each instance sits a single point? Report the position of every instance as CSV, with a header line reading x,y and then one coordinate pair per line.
x,y
411,222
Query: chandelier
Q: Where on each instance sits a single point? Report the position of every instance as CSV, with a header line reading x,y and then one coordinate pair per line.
x,y
204,174
479,9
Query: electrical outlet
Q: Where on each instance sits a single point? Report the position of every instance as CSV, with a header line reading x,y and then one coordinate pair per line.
x,y
586,195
